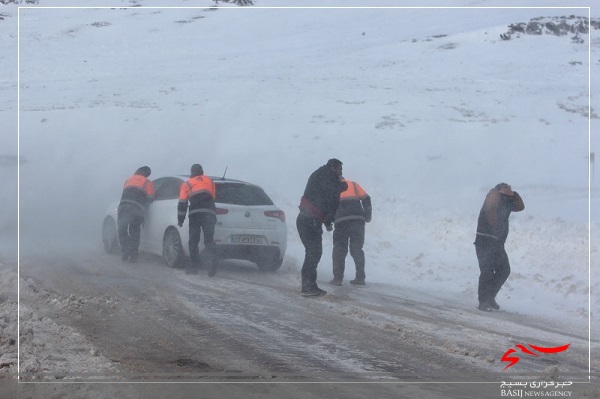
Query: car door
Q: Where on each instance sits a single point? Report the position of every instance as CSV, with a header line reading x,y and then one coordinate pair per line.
x,y
162,213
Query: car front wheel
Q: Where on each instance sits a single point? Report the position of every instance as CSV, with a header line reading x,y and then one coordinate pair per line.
x,y
172,248
109,236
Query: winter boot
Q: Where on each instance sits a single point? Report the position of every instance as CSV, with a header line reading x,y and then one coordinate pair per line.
x,y
357,281
494,305
212,268
312,290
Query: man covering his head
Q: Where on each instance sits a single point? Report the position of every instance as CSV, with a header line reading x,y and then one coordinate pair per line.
x,y
317,207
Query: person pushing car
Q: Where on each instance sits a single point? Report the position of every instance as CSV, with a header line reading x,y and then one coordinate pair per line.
x,y
138,192
199,191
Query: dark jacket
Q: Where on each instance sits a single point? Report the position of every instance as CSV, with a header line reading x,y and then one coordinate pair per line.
x,y
355,204
322,195
493,217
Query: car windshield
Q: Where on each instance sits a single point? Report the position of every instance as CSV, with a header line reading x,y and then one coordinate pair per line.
x,y
241,194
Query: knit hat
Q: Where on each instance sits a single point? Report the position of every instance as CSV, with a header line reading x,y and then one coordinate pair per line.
x,y
197,170
143,171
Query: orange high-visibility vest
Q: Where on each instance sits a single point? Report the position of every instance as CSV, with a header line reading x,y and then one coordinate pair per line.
x,y
138,191
197,185
353,192
140,182
200,191
355,204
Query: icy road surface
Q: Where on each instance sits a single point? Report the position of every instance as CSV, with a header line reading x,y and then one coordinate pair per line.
x,y
145,322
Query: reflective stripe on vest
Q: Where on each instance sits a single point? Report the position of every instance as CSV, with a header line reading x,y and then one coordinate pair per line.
x,y
350,217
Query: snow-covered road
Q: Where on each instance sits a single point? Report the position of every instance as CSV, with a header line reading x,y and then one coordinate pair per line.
x,y
90,316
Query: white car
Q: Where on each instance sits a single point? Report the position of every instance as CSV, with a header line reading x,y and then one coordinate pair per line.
x,y
249,226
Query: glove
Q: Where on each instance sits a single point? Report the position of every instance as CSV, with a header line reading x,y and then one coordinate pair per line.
x,y
180,223
368,216
329,226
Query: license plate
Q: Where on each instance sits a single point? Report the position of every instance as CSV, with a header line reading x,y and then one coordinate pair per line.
x,y
247,239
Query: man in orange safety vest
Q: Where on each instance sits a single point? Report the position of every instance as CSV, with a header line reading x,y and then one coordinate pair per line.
x,y
138,192
199,191
352,213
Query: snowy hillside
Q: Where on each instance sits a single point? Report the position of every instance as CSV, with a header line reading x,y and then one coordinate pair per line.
x,y
427,108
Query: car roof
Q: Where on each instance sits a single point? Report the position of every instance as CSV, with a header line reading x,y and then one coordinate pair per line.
x,y
215,179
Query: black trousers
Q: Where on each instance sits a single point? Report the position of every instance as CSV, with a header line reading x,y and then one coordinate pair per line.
x,y
349,233
202,222
129,225
493,265
311,234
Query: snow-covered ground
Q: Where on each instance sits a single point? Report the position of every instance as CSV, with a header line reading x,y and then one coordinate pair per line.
x,y
427,108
